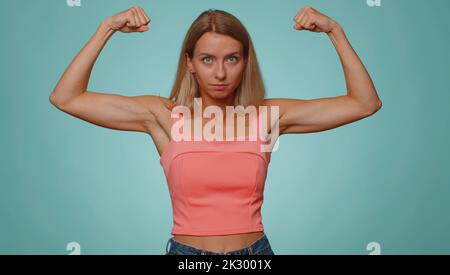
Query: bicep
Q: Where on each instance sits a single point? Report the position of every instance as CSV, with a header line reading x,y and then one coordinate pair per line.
x,y
112,110
315,115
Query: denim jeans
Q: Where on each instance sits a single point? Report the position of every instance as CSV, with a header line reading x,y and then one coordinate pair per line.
x,y
259,247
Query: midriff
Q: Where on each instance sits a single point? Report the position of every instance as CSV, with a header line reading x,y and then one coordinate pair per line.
x,y
220,244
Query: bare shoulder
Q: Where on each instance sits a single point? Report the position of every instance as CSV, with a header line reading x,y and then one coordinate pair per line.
x,y
277,102
268,101
272,118
160,107
283,104
154,103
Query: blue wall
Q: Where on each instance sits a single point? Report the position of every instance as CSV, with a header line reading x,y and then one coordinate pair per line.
x,y
383,179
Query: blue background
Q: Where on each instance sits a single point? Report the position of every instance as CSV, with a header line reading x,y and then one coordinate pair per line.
x,y
383,179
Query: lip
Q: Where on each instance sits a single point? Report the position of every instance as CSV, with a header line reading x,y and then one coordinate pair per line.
x,y
219,87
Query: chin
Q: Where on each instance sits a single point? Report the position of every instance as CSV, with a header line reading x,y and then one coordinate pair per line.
x,y
220,94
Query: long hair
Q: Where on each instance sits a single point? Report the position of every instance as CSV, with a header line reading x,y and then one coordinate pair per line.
x,y
250,91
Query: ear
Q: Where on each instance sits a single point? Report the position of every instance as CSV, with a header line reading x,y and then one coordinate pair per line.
x,y
189,63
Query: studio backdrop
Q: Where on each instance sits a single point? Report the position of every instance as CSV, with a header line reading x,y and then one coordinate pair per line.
x,y
377,186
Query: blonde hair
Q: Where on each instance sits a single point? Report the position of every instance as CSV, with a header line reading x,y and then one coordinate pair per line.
x,y
250,91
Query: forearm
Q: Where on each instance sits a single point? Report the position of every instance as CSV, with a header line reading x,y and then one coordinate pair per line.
x,y
75,78
359,84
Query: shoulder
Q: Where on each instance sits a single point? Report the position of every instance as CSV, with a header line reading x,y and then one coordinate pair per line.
x,y
280,103
159,108
283,104
155,104
275,101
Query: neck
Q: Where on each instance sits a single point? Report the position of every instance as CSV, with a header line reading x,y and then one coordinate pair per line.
x,y
221,103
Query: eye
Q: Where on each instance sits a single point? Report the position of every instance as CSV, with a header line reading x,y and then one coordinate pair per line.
x,y
235,58
203,59
209,58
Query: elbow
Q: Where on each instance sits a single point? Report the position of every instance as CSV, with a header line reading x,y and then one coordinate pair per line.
x,y
55,100
52,99
380,104
372,110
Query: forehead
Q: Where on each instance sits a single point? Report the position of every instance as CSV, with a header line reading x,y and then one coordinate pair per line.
x,y
217,44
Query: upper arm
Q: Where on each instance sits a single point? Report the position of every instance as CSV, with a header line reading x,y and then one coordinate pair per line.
x,y
128,113
314,115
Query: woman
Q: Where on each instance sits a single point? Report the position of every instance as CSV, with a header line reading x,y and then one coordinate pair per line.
x,y
216,186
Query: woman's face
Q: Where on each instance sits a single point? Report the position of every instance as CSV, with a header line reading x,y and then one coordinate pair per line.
x,y
217,59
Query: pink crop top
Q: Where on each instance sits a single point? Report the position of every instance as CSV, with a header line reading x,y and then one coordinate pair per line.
x,y
216,187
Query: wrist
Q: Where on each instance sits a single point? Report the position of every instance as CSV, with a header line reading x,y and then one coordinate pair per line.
x,y
106,26
335,27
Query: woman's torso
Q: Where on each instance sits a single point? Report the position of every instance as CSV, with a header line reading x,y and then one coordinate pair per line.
x,y
161,135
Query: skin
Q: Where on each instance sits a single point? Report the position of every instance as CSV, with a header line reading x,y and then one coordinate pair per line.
x,y
150,114
217,59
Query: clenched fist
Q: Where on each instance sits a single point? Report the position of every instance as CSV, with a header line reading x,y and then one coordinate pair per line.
x,y
310,19
131,20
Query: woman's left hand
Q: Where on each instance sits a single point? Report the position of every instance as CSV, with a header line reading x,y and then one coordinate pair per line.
x,y
310,19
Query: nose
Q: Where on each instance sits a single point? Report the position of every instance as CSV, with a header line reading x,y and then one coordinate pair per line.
x,y
220,73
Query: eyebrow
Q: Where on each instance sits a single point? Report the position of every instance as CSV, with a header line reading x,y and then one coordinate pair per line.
x,y
213,55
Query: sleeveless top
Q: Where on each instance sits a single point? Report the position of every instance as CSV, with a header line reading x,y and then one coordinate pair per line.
x,y
216,187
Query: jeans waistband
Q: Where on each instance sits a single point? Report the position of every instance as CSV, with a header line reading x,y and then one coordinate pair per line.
x,y
250,249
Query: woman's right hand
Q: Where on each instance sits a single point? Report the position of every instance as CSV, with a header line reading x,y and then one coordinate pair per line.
x,y
133,19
